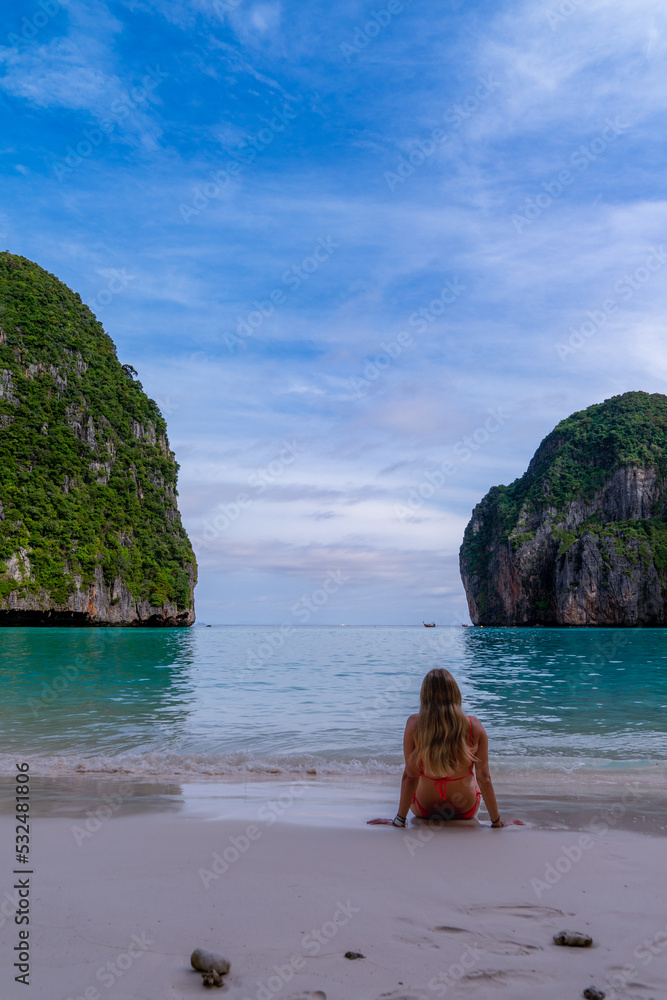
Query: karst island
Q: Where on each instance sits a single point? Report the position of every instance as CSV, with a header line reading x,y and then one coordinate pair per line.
x,y
90,532
581,537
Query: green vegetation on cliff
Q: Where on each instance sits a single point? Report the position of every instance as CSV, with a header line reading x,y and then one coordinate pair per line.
x,y
576,459
86,476
569,469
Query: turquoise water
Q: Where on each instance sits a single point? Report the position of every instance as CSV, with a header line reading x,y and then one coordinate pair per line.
x,y
226,700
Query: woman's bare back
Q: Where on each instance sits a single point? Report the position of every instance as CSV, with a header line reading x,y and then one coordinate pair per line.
x,y
448,796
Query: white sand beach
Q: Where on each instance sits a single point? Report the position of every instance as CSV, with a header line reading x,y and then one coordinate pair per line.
x,y
118,903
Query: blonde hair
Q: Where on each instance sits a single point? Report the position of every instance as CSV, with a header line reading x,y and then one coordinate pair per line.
x,y
442,737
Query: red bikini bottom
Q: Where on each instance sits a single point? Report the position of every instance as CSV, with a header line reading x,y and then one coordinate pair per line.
x,y
448,811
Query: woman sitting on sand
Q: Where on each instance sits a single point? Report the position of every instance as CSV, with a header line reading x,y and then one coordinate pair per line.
x,y
444,751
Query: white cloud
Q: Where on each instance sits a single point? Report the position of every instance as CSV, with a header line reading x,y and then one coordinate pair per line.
x,y
58,74
265,17
592,61
80,72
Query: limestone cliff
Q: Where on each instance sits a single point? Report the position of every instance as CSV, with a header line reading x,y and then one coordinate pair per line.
x,y
90,532
581,538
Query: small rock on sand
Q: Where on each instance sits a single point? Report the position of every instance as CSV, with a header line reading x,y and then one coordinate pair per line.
x,y
573,939
593,993
209,961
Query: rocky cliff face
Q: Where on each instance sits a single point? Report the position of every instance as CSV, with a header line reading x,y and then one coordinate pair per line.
x,y
93,602
90,532
581,539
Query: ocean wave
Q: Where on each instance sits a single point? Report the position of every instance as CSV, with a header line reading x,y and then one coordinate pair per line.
x,y
156,764
193,765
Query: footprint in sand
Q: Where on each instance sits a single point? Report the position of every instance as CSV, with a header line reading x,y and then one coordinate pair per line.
x,y
527,912
401,996
635,984
502,946
414,934
317,995
505,977
420,940
495,946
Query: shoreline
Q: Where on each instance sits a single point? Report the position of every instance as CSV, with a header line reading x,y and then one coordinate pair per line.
x,y
624,800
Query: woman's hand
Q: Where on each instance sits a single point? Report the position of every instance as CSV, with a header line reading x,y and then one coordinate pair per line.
x,y
398,821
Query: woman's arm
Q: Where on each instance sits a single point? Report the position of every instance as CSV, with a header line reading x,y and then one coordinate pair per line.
x,y
410,778
483,775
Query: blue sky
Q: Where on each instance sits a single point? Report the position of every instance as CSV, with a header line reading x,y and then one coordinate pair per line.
x,y
364,256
